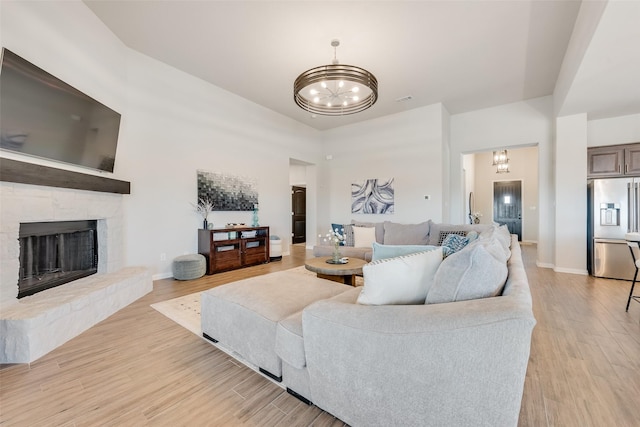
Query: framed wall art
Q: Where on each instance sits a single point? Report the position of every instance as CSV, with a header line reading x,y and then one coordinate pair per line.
x,y
372,196
228,192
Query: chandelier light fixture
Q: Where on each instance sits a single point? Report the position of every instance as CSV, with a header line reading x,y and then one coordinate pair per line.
x,y
335,89
501,161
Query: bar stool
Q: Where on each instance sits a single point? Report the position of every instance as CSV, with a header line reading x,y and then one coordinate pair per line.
x,y
634,247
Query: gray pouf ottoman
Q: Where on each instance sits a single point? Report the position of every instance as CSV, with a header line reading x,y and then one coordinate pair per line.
x,y
188,267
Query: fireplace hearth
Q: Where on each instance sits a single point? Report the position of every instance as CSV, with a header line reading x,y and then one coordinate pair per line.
x,y
55,253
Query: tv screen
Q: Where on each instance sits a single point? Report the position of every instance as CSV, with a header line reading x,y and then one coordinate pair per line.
x,y
40,115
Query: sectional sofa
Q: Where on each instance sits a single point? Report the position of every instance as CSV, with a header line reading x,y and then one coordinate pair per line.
x,y
459,358
393,233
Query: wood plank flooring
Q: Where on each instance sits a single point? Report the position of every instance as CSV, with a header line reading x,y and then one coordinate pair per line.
x,y
138,368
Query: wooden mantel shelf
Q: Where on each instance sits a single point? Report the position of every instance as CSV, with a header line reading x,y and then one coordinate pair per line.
x,y
30,173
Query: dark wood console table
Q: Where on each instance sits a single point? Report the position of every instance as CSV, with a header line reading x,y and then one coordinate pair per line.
x,y
231,248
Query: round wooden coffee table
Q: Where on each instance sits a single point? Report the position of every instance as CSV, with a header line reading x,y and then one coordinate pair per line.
x,y
343,273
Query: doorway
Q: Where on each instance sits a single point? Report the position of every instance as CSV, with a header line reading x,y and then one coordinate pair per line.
x,y
507,205
298,214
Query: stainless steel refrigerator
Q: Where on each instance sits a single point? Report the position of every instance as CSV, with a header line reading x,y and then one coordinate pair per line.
x,y
614,210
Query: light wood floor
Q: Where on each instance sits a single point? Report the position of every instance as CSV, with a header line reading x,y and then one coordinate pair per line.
x,y
138,368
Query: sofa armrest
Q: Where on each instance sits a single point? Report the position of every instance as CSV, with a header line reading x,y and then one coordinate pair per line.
x,y
446,363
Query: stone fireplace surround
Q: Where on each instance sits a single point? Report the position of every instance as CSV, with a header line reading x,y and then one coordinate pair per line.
x,y
32,326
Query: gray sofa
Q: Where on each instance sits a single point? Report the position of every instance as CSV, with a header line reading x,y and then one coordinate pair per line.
x,y
459,363
393,233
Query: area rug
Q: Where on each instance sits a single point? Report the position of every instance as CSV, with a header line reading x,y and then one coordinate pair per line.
x,y
185,311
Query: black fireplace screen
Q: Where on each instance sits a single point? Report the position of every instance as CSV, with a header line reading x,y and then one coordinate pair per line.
x,y
54,253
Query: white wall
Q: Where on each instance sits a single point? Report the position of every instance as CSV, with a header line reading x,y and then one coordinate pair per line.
x,y
614,130
446,165
406,146
584,28
571,194
509,126
523,166
172,125
298,175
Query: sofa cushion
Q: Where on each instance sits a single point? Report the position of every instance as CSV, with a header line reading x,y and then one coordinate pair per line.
x,y
392,251
243,315
364,237
401,280
495,243
503,234
379,226
289,340
406,234
289,343
469,274
496,247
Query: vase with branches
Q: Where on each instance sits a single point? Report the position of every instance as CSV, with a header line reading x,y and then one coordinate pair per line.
x,y
204,207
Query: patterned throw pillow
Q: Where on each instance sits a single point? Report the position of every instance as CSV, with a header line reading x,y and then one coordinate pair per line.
x,y
348,235
347,231
455,242
444,234
340,229
446,251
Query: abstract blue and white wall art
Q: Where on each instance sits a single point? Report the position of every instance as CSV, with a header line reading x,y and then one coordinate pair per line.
x,y
228,192
372,196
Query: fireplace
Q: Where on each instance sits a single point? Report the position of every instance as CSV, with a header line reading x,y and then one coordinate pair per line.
x,y
55,253
31,326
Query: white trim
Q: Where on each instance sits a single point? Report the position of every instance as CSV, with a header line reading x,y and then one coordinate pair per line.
x,y
529,242
545,265
571,271
161,276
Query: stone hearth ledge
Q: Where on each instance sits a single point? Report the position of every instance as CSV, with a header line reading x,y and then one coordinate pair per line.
x,y
39,323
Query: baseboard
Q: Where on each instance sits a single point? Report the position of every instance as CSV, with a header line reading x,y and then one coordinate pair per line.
x,y
545,265
161,276
571,271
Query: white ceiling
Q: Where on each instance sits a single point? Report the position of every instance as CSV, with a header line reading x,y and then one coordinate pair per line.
x,y
465,54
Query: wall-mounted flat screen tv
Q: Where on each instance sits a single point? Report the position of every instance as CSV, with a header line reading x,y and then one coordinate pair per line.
x,y
40,115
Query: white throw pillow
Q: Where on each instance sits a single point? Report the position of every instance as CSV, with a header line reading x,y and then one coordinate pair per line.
x,y
364,237
401,280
